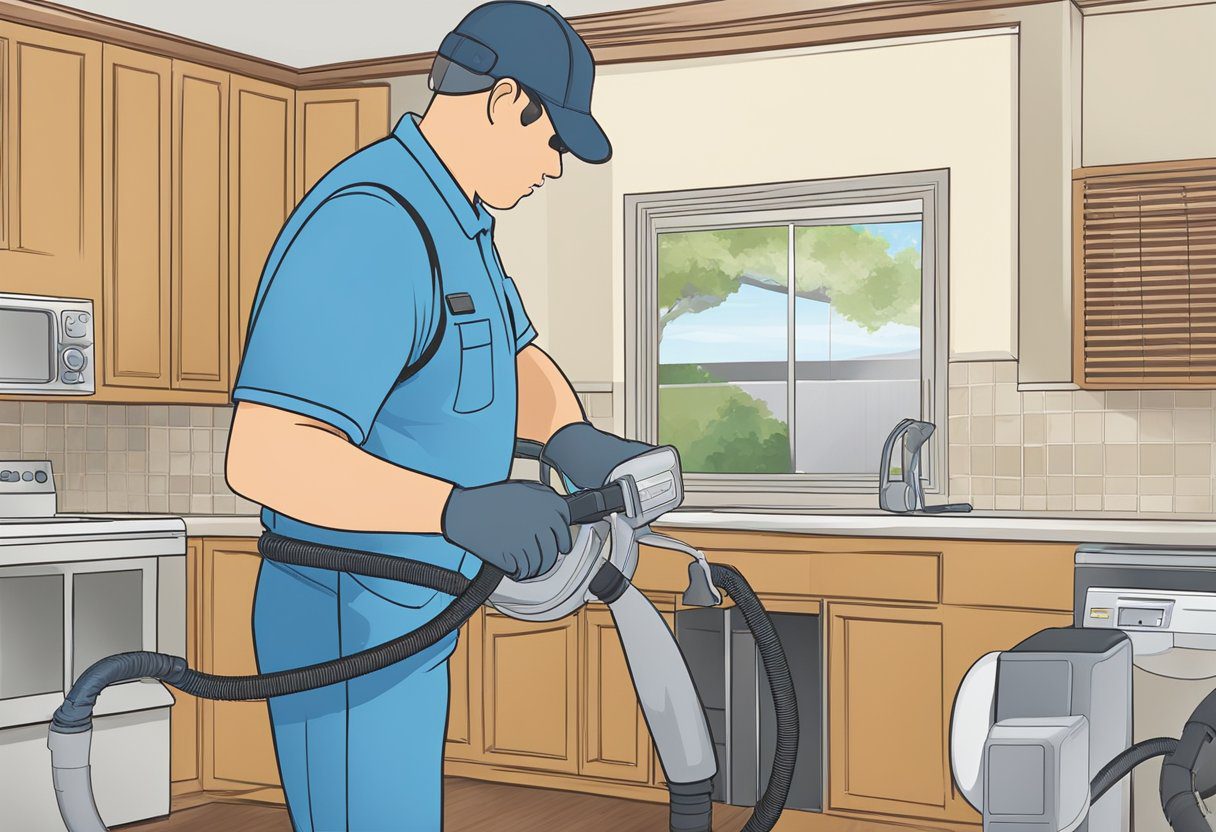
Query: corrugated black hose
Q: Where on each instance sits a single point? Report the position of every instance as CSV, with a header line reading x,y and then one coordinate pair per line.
x,y
75,714
74,717
1125,761
1178,798
776,667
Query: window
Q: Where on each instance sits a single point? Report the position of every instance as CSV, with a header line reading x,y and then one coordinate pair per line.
x,y
779,332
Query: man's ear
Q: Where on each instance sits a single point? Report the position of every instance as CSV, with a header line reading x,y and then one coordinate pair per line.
x,y
506,101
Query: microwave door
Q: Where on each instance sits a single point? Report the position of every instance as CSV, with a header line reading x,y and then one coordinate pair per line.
x,y
27,347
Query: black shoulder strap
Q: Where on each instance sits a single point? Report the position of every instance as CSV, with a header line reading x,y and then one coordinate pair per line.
x,y
436,279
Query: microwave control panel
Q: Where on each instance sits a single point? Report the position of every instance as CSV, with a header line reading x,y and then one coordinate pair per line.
x,y
76,345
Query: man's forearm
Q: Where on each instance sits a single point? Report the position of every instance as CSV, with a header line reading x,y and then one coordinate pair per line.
x,y
310,471
547,402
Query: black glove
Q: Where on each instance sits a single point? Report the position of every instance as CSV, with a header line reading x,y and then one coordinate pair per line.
x,y
586,455
517,526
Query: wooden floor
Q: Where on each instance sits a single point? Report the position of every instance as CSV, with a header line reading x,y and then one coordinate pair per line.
x,y
468,805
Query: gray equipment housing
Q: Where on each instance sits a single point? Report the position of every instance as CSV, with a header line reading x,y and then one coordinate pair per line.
x,y
1070,672
1056,710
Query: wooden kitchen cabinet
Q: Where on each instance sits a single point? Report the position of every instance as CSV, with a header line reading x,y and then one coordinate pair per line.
x,y
615,742
261,190
199,304
332,124
136,102
238,746
529,693
886,717
50,163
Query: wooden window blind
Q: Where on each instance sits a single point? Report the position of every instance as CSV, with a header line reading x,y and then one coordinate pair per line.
x,y
1144,275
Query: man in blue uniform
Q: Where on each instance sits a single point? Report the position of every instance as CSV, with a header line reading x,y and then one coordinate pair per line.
x,y
388,370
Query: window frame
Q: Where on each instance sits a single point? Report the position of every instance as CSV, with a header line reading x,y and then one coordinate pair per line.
x,y
800,203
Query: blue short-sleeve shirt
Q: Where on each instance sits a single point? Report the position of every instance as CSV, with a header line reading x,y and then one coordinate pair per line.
x,y
352,326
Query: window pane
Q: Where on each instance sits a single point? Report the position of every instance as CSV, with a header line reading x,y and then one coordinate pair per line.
x,y
857,331
724,349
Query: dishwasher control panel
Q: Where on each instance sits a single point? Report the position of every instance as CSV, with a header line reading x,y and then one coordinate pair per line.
x,y
1170,611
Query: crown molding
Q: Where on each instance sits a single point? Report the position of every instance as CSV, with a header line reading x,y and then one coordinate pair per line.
x,y
701,28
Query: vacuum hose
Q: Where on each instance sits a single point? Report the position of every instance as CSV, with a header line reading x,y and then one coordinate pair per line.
x,y
1178,790
1125,761
777,668
71,727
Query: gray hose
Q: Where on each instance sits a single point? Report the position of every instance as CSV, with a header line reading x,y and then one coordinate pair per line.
x,y
73,781
1125,761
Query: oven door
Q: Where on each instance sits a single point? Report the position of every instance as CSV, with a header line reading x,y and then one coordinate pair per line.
x,y
58,619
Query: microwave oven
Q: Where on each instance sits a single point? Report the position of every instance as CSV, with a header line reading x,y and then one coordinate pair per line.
x,y
46,345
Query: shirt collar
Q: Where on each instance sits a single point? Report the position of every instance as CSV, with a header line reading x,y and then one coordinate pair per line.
x,y
473,218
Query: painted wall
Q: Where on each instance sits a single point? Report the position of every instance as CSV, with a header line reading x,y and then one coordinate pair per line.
x,y
830,113
1150,85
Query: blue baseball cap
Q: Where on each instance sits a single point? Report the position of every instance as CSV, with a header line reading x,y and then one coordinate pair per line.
x,y
537,47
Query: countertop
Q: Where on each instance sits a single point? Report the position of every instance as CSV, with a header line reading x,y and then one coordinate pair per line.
x,y
1058,527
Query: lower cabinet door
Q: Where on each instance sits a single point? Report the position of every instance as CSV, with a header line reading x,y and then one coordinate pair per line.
x,y
887,710
238,747
615,743
529,693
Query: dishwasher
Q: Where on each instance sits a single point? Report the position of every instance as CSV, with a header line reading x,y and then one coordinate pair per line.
x,y
1164,598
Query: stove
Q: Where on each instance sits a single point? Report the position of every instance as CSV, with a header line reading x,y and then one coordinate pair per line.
x,y
74,589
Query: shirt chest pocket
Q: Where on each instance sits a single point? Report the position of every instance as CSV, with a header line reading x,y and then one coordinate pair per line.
x,y
475,383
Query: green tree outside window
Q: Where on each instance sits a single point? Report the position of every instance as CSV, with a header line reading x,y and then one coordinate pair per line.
x,y
718,427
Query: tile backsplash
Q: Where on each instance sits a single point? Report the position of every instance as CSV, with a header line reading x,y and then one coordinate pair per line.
x,y
1125,451
158,458
1150,452
119,458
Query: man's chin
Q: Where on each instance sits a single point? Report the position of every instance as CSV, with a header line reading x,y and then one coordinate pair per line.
x,y
501,204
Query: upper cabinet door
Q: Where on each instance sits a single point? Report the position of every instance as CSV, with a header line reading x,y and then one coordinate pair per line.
x,y
136,100
332,124
261,189
200,228
50,237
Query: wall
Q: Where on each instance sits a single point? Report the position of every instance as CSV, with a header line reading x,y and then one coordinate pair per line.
x,y
1150,84
832,113
407,94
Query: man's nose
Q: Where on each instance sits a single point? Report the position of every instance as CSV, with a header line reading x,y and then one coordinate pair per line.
x,y
554,171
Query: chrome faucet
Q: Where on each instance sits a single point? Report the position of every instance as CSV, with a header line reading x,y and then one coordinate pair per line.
x,y
907,494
